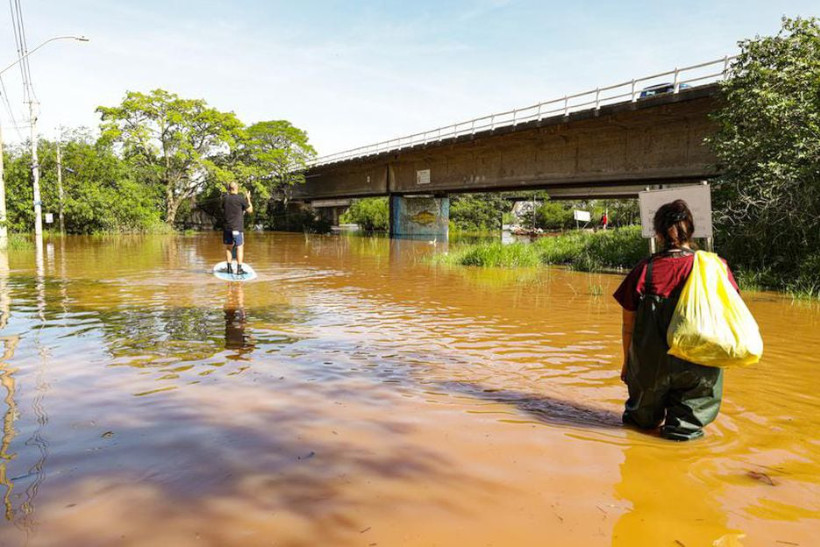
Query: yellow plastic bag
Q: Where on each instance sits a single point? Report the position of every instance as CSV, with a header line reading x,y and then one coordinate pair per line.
x,y
711,324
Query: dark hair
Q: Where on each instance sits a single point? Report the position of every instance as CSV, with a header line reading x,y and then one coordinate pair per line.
x,y
673,222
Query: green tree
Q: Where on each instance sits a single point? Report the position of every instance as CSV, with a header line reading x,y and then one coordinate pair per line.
x,y
19,191
554,215
101,191
622,212
177,144
278,152
768,143
371,214
478,212
268,157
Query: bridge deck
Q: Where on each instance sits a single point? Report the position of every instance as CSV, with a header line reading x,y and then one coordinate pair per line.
x,y
653,140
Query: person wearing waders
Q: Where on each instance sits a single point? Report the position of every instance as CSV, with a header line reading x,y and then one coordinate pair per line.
x,y
234,207
679,396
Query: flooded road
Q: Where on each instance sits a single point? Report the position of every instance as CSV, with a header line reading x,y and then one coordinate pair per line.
x,y
356,395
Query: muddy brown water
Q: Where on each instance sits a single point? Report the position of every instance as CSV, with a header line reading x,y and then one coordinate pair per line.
x,y
356,395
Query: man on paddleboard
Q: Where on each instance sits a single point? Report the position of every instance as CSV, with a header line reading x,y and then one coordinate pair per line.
x,y
234,206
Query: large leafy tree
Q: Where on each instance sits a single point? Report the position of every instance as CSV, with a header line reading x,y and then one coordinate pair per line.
x,y
102,193
176,143
270,156
768,144
478,212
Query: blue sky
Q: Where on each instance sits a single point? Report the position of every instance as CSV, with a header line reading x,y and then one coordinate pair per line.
x,y
353,73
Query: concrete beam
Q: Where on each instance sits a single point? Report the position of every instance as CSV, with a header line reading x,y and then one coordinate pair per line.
x,y
652,141
324,203
604,192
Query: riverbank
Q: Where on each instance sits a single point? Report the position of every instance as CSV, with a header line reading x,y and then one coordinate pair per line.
x,y
610,250
582,251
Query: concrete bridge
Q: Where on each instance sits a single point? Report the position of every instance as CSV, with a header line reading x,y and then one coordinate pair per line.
x,y
609,142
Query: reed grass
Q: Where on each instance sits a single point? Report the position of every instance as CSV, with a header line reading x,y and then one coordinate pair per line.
x,y
20,242
583,251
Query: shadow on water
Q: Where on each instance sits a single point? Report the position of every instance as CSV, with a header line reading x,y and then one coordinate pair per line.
x,y
546,409
217,465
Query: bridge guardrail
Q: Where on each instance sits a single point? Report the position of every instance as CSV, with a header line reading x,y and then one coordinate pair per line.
x,y
700,74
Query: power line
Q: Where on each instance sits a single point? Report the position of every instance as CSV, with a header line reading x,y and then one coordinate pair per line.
x,y
28,93
10,110
19,28
32,94
18,42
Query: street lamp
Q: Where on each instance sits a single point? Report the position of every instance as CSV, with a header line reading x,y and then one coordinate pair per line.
x,y
35,168
78,38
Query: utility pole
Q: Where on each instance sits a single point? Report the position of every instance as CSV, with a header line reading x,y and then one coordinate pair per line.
x,y
60,186
35,173
35,167
3,229
533,212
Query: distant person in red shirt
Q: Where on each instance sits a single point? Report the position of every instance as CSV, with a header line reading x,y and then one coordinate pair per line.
x,y
604,221
679,396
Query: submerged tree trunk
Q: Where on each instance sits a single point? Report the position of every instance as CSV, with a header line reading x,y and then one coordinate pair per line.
x,y
171,205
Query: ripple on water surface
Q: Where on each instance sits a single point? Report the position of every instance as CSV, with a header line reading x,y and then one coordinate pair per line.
x,y
354,391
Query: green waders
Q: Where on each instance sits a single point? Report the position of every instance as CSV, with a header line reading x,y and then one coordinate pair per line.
x,y
683,396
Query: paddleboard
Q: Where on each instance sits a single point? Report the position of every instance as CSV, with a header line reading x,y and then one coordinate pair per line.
x,y
221,272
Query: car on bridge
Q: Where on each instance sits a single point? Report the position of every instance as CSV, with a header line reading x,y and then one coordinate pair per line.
x,y
658,89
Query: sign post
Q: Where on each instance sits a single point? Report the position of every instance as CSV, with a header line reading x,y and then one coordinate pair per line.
x,y
581,216
697,197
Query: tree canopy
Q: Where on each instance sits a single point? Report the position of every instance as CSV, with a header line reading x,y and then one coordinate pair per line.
x,y
178,143
102,193
768,144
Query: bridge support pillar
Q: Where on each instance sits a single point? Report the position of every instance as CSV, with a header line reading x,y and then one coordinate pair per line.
x,y
419,216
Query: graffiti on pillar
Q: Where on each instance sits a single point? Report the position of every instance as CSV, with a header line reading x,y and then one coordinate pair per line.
x,y
425,218
420,215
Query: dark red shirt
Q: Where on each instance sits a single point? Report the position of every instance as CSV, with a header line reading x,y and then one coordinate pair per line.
x,y
669,273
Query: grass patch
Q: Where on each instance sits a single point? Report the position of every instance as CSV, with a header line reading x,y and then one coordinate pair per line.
x,y
804,288
20,242
493,255
583,251
621,249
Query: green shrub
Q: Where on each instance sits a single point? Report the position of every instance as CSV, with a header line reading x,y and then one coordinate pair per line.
x,y
767,199
583,251
477,212
20,242
371,214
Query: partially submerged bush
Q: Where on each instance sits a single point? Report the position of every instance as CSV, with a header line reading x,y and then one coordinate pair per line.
x,y
582,251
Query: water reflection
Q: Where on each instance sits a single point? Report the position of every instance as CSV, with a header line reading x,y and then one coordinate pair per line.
x,y
235,319
480,400
9,384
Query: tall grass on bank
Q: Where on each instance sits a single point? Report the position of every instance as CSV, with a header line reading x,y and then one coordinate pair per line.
x,y
20,242
497,255
583,251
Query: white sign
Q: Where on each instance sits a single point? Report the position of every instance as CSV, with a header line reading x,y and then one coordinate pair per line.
x,y
423,176
697,197
49,218
582,216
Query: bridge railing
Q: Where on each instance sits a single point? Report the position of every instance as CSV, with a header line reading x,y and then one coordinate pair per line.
x,y
633,90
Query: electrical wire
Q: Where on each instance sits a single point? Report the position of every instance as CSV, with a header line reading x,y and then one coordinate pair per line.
x,y
18,43
32,94
18,26
5,97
